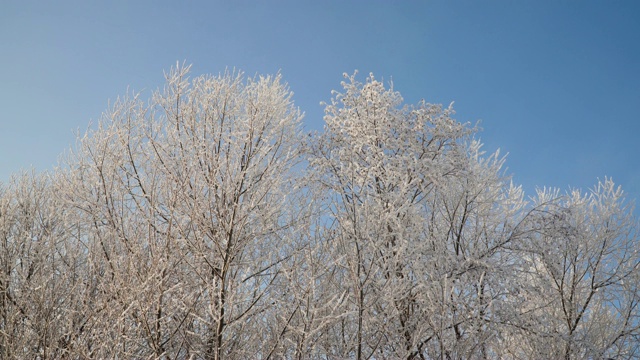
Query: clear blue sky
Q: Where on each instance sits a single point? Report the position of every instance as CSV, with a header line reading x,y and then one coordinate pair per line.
x,y
556,84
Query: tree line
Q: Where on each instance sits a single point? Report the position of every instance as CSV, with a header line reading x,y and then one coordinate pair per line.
x,y
204,223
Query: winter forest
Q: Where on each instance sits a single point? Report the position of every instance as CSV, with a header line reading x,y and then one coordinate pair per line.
x,y
203,222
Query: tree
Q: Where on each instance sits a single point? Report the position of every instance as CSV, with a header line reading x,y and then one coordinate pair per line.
x,y
579,277
187,204
418,216
42,283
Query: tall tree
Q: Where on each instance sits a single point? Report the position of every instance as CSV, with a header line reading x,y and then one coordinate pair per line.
x,y
416,209
188,201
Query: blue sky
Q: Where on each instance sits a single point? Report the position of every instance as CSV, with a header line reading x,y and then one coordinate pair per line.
x,y
556,84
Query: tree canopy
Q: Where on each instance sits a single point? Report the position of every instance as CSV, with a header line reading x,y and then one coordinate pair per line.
x,y
204,223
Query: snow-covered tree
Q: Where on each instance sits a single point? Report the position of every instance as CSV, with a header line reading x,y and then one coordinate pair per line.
x,y
420,220
43,284
579,277
188,203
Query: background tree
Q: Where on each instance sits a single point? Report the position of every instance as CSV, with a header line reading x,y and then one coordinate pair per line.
x,y
580,277
42,278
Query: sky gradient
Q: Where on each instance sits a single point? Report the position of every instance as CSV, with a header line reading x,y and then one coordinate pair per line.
x,y
555,84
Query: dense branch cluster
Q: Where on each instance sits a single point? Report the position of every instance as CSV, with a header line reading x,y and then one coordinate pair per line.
x,y
204,223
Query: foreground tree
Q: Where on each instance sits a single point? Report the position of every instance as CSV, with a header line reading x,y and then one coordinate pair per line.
x,y
419,224
188,204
